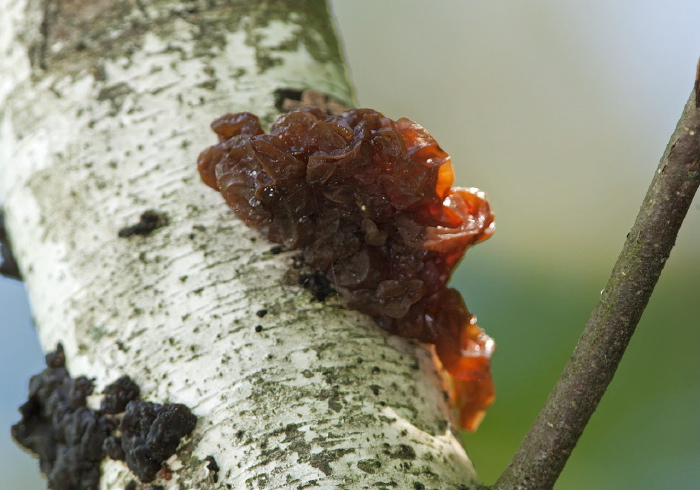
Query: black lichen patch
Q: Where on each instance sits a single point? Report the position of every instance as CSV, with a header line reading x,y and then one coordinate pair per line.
x,y
150,220
151,433
71,440
58,427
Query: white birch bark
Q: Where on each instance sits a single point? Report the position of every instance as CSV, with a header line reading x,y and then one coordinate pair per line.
x,y
104,108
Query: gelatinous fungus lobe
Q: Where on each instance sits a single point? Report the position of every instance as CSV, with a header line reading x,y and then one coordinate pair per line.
x,y
369,201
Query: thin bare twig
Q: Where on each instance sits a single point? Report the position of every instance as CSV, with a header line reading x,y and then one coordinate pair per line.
x,y
542,455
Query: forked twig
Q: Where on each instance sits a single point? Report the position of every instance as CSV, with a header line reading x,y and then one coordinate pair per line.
x,y
546,448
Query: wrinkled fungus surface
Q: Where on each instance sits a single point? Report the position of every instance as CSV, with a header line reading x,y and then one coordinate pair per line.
x,y
71,439
369,201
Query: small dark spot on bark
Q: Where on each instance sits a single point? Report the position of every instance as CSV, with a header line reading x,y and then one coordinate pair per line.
x,y
376,370
261,313
323,459
283,94
276,250
132,485
318,284
335,404
258,328
375,389
148,222
404,451
370,466
213,467
418,486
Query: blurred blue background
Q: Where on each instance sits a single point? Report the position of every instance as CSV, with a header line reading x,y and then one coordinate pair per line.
x,y
560,110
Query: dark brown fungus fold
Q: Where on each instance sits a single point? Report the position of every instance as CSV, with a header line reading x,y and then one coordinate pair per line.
x,y
369,201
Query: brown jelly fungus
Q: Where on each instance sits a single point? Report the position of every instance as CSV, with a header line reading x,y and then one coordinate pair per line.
x,y
369,202
71,439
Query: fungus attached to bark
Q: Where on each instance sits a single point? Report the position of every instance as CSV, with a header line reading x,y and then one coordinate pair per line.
x,y
71,439
369,201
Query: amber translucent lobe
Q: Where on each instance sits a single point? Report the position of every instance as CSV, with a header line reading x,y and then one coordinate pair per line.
x,y
370,203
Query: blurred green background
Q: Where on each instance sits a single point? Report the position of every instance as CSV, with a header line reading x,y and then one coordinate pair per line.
x,y
559,110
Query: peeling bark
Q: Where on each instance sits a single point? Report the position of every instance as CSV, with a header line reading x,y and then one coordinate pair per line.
x,y
103,110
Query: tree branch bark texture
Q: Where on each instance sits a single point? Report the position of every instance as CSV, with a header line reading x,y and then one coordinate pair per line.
x,y
546,448
104,107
